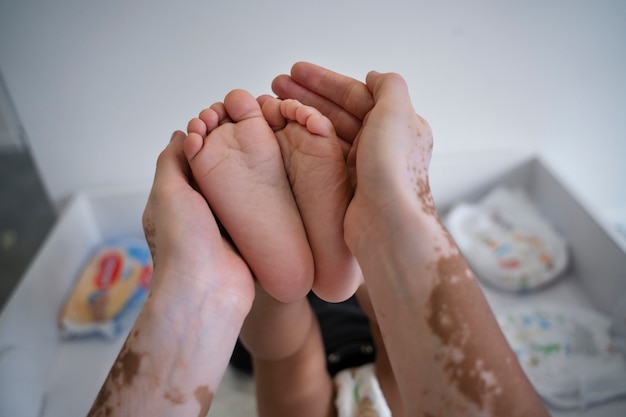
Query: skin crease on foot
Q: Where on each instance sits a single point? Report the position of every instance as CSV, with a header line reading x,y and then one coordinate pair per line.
x,y
237,164
314,159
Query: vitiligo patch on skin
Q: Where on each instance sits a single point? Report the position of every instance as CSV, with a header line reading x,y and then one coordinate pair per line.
x,y
459,357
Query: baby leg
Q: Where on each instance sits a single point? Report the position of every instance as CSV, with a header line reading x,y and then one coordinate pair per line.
x,y
315,164
236,162
288,357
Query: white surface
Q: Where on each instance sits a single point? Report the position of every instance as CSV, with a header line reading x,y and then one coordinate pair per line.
x,y
74,371
99,86
21,382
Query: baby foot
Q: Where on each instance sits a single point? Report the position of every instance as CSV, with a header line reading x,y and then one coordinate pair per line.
x,y
315,163
236,162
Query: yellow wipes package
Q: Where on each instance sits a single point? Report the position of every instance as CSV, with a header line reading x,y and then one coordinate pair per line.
x,y
114,281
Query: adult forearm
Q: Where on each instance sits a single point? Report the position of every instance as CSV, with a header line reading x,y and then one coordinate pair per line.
x,y
447,352
174,357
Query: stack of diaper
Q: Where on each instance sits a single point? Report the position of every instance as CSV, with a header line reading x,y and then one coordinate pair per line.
x,y
567,354
507,242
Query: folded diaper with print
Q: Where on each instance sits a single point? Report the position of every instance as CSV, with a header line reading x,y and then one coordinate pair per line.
x,y
568,354
507,242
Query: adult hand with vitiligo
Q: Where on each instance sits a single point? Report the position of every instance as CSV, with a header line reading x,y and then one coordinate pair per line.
x,y
448,355
178,349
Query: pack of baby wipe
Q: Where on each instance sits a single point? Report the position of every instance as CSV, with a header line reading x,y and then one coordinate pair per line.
x,y
507,242
115,279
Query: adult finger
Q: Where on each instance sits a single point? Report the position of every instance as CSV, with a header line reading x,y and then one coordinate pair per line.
x,y
343,100
391,94
348,93
388,87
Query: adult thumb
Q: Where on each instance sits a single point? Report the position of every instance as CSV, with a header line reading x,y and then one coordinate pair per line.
x,y
390,87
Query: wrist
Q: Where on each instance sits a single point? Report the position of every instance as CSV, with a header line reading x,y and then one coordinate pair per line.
x,y
398,225
175,356
222,287
184,328
178,317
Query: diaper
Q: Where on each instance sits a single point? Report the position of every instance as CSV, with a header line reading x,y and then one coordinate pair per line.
x,y
567,354
359,393
507,242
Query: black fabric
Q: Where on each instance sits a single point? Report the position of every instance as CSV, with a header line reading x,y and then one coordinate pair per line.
x,y
345,331
241,359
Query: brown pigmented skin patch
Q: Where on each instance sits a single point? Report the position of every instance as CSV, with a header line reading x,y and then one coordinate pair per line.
x,y
150,234
204,396
101,407
422,188
461,360
174,396
121,376
126,367
463,334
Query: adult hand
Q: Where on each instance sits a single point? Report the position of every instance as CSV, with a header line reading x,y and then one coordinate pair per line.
x,y
389,160
185,240
391,145
178,349
344,100
412,268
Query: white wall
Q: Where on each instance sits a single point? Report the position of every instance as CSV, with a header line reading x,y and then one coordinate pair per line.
x,y
583,131
100,85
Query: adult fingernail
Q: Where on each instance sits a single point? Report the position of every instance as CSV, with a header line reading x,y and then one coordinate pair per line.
x,y
173,135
